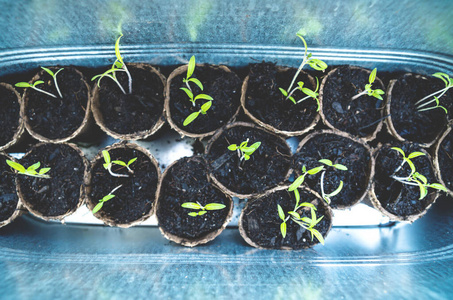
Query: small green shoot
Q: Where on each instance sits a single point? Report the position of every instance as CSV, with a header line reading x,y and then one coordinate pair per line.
x,y
105,199
244,151
316,64
118,66
30,171
368,90
33,86
305,222
201,209
108,164
436,95
414,178
188,90
54,76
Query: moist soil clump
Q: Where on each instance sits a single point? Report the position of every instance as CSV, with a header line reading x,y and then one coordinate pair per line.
x,y
261,222
395,197
59,194
266,103
136,197
359,117
411,124
445,157
56,118
188,181
135,112
9,115
224,87
8,196
340,150
267,167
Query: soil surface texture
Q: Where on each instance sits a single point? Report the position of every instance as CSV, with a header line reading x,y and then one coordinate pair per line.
x,y
446,160
8,196
56,118
224,87
360,116
266,103
59,194
136,197
187,181
261,221
340,150
9,115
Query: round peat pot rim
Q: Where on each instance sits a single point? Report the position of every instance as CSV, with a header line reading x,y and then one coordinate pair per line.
x,y
19,206
389,122
88,177
268,127
80,130
82,194
95,108
21,126
371,164
214,138
366,138
167,111
437,171
247,239
377,204
208,236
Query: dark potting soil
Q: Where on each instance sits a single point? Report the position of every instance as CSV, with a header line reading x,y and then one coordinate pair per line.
x,y
8,196
266,168
262,223
136,112
339,150
446,160
9,115
415,126
60,193
137,195
265,101
395,197
187,181
56,118
224,87
360,116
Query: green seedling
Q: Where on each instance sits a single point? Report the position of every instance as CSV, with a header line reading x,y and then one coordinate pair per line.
x,y
188,90
436,95
244,151
368,90
30,171
105,199
108,164
54,76
33,86
316,64
305,222
414,178
118,66
201,209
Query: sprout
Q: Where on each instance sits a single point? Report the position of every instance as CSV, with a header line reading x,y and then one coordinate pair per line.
x,y
316,64
105,199
109,163
202,209
368,90
118,66
54,76
188,90
436,95
33,86
305,222
244,151
30,171
299,180
414,178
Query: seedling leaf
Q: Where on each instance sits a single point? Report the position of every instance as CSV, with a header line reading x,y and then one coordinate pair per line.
x,y
206,106
214,206
281,214
340,167
191,118
97,207
191,205
373,76
16,166
23,84
415,154
188,92
326,162
232,147
283,229
197,82
203,96
191,67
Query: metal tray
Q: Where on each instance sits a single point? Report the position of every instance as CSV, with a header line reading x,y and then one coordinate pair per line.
x,y
361,256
